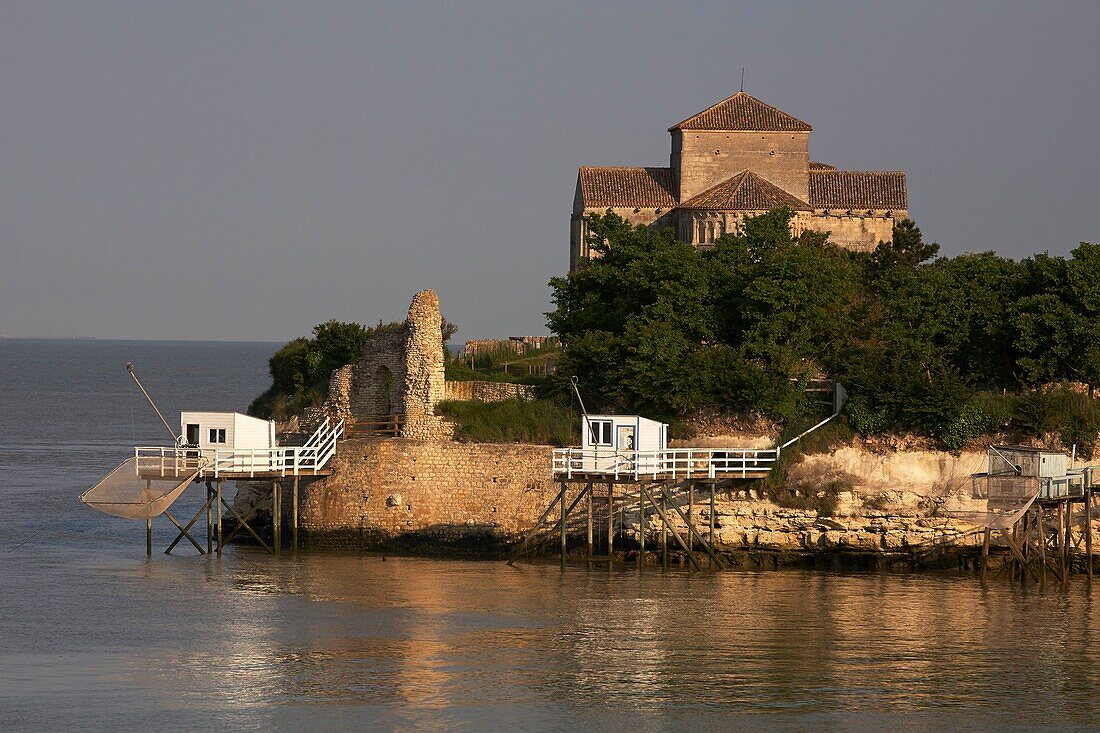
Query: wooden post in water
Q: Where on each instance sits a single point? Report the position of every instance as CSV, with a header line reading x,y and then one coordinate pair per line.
x,y
610,524
588,525
711,537
219,516
276,517
209,519
691,512
1088,531
149,521
664,533
641,528
294,516
1062,544
985,553
1042,550
563,526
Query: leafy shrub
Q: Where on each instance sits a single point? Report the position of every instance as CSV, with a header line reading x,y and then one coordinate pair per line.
x,y
513,421
456,371
983,414
865,417
1071,415
301,368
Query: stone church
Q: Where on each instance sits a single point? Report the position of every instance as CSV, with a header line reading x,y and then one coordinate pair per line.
x,y
740,158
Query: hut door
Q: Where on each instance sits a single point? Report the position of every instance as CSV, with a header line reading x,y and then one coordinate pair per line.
x,y
192,434
626,438
626,443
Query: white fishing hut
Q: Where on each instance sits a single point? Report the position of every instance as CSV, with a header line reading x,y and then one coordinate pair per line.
x,y
226,431
607,439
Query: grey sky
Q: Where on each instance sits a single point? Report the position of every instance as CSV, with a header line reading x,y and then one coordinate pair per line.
x,y
244,171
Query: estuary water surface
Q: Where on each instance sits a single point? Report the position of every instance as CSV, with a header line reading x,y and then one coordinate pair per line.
x,y
95,636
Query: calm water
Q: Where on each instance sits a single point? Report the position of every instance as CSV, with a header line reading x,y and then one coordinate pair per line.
x,y
93,635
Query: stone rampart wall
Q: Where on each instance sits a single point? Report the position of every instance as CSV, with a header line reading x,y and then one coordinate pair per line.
x,y
387,493
488,391
425,496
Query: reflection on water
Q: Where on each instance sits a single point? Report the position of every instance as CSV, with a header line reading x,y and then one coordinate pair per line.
x,y
94,636
249,641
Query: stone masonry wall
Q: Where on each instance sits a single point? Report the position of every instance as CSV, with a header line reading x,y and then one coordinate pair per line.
x,y
857,232
378,379
399,371
387,493
424,370
420,495
706,159
489,391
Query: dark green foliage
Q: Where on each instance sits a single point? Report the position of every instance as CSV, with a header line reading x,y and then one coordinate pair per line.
x,y
657,327
456,371
301,368
922,344
514,421
1070,416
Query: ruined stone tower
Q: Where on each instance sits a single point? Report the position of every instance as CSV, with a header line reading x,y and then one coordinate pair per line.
x,y
399,373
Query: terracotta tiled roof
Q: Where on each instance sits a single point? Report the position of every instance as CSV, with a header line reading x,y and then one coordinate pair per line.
x,y
858,190
744,192
625,187
742,112
815,166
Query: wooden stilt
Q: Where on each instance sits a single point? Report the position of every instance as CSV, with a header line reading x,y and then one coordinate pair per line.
x,y
1059,532
538,525
1012,567
149,521
294,516
710,537
691,513
1016,552
610,524
219,516
662,510
1088,532
276,517
562,523
985,553
1025,548
667,524
183,533
242,523
1042,549
186,529
692,531
588,525
641,528
209,519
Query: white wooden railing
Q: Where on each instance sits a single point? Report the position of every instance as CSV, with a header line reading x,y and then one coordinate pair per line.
x,y
280,460
674,463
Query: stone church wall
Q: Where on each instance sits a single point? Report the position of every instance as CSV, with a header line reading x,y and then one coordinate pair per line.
x,y
861,234
705,159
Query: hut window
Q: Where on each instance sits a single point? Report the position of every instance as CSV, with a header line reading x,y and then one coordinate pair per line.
x,y
217,435
601,432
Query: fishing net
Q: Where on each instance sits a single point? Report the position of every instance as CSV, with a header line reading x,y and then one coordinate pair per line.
x,y
1008,497
141,488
